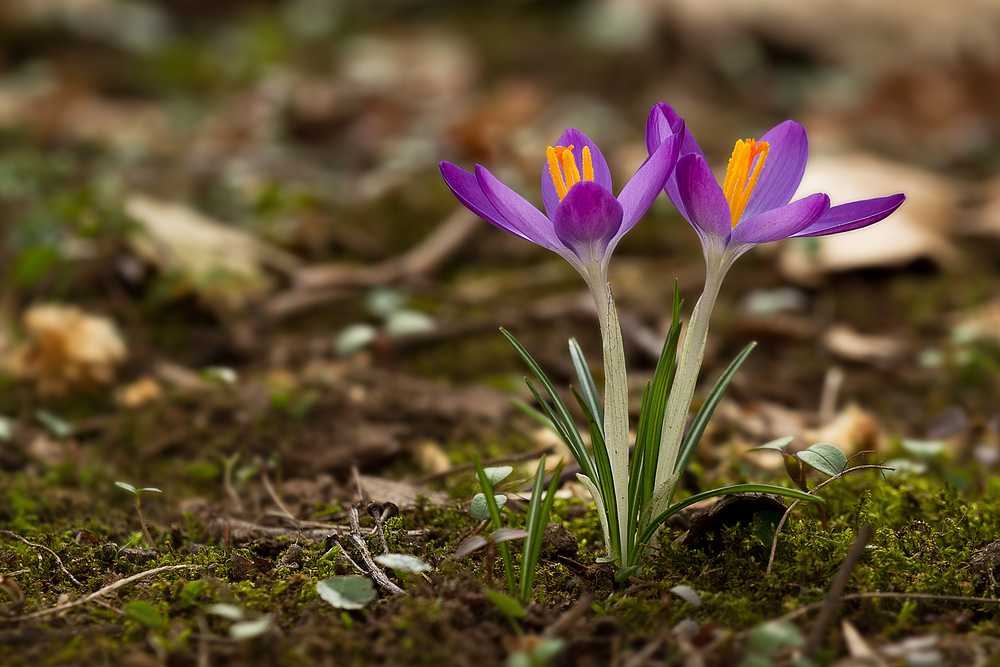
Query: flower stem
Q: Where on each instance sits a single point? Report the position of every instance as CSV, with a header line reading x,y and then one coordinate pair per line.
x,y
616,433
689,362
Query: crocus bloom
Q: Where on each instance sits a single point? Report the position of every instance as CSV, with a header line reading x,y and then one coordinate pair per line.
x,y
750,207
583,222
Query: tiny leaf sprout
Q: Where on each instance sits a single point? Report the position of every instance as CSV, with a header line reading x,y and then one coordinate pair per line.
x,y
241,627
350,592
138,507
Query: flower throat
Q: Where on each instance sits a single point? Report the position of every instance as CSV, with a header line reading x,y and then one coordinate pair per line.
x,y
741,174
563,169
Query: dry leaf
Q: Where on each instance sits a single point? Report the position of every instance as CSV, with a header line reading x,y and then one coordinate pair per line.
x,y
141,392
982,323
845,342
67,350
919,229
223,265
861,653
852,430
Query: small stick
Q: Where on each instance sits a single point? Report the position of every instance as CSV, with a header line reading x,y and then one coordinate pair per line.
x,y
45,548
837,590
359,543
274,498
59,608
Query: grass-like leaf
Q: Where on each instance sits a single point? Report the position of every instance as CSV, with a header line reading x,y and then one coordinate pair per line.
x,y
539,510
605,478
484,481
588,388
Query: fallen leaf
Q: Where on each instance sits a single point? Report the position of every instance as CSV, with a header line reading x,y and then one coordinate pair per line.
x,y
221,264
921,227
852,430
843,341
67,350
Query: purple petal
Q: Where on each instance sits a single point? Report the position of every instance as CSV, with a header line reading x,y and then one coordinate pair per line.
x,y
466,188
576,139
705,206
527,220
855,215
647,182
783,168
664,121
781,222
588,218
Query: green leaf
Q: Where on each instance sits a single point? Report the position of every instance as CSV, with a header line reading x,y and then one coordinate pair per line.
x,y
128,487
558,413
494,513
351,592
57,426
229,611
923,449
498,474
778,444
403,562
149,489
479,507
701,420
824,457
145,613
588,388
470,544
250,629
539,510
190,592
647,443
510,607
501,535
769,638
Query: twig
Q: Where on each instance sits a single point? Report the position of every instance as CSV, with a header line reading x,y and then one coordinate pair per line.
x,y
376,572
784,517
465,467
50,551
837,590
59,608
275,499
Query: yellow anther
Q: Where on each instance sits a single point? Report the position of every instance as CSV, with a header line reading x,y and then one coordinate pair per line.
x,y
563,168
741,175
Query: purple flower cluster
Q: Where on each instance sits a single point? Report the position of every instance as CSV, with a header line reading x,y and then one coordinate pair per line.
x,y
583,220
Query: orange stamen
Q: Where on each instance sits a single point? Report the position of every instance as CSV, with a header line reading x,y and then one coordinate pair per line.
x,y
741,175
563,168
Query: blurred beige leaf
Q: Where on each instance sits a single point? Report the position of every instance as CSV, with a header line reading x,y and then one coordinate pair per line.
x,y
223,265
981,323
845,342
852,430
921,227
869,35
67,350
141,392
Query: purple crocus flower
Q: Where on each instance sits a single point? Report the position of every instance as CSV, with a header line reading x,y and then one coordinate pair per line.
x,y
752,205
583,220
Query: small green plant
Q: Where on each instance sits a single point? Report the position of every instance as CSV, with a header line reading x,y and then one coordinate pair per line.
x,y
526,650
486,506
397,320
138,507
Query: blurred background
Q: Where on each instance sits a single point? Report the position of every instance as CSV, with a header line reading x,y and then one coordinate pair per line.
x,y
224,230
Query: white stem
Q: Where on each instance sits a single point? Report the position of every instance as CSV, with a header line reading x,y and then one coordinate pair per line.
x,y
616,433
686,378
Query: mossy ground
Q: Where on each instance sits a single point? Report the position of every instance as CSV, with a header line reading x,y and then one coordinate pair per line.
x,y
259,118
